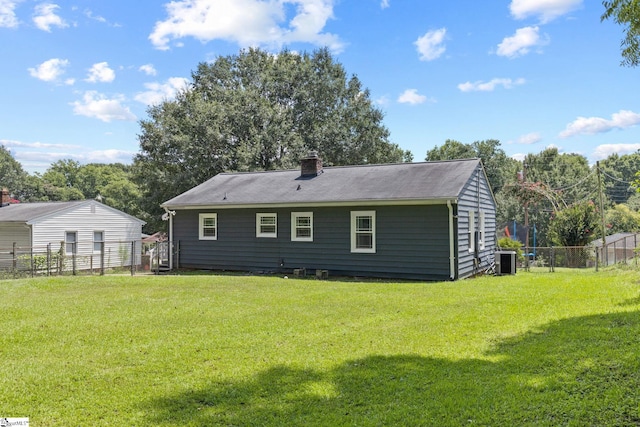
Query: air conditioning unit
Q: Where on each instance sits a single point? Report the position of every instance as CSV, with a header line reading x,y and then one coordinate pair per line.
x,y
505,262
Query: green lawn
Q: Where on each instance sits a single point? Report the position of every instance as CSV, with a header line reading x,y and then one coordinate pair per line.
x,y
531,349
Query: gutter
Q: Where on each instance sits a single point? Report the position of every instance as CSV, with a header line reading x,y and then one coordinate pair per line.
x,y
452,252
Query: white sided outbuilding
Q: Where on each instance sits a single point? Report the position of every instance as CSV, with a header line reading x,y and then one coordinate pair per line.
x,y
83,229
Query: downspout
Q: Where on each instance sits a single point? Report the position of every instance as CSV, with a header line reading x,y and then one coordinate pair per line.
x,y
170,215
452,251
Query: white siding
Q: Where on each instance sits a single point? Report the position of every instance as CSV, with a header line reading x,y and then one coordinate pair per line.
x,y
119,230
11,233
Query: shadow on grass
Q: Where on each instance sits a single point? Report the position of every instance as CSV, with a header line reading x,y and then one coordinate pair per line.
x,y
580,371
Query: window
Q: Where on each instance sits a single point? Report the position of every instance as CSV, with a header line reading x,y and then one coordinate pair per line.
x,y
481,230
476,234
363,231
472,231
98,239
208,226
302,226
71,242
266,225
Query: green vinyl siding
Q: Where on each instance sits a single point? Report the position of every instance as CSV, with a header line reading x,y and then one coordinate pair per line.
x,y
411,242
476,196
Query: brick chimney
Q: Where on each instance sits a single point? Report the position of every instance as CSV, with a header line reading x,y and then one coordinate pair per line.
x,y
6,199
311,165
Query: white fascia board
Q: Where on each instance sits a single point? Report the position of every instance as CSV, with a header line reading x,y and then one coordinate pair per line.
x,y
404,202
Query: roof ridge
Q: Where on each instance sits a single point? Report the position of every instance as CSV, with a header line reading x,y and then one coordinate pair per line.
x,y
426,162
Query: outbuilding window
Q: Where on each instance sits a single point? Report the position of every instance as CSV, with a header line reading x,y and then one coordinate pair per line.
x,y
363,231
71,242
267,225
98,240
208,226
302,226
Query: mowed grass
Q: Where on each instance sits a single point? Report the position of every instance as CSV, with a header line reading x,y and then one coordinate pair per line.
x,y
202,350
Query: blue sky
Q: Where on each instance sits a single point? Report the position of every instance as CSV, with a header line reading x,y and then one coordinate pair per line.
x,y
78,75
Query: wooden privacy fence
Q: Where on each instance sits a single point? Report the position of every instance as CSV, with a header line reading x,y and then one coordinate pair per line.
x,y
71,258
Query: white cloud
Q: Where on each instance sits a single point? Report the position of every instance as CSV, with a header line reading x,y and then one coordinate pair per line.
x,y
382,101
592,125
41,154
489,86
98,106
519,157
148,69
159,92
12,143
521,42
89,14
605,150
530,138
411,96
8,18
384,4
431,45
546,10
45,17
107,156
101,72
50,70
266,24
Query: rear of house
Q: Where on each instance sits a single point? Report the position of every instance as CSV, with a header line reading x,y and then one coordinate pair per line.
x,y
427,221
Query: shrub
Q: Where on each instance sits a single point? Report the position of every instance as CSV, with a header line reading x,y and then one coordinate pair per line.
x,y
514,245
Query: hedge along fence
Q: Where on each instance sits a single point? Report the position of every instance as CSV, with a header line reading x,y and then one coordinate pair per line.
x,y
72,258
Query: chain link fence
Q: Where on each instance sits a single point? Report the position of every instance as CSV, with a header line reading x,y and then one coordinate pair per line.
x,y
579,257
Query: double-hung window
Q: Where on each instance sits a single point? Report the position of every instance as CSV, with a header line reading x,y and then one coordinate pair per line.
x,y
472,231
208,228
267,225
363,231
302,226
98,240
71,242
476,231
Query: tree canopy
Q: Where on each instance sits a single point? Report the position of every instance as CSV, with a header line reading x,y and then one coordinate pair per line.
x,y
627,14
13,176
259,111
498,166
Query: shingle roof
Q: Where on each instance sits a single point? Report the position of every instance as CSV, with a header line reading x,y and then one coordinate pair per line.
x,y
23,212
442,180
27,212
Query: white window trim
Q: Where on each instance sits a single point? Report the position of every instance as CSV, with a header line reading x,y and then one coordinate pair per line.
x,y
472,231
74,243
201,218
259,232
481,229
294,227
354,215
97,241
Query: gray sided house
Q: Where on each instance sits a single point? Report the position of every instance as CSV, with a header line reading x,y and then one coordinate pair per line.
x,y
80,228
426,221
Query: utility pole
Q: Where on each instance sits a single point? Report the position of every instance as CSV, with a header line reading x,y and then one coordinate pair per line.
x,y
605,252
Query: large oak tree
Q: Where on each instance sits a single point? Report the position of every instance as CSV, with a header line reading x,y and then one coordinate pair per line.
x,y
258,111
